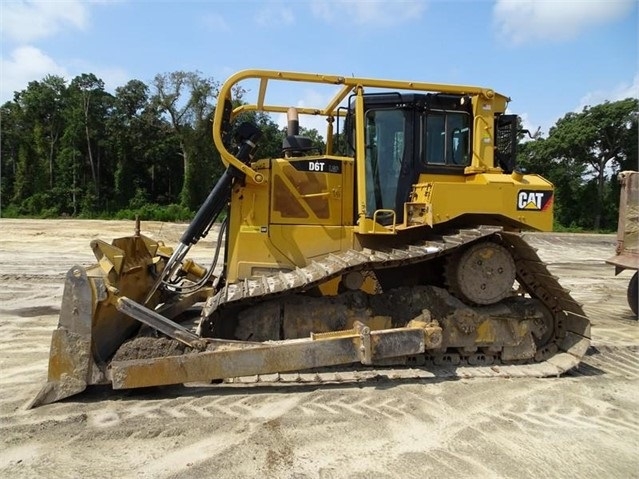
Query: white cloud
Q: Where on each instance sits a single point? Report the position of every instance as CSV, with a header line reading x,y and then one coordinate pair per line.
x,y
25,64
274,14
112,77
216,22
525,120
28,63
523,21
23,21
619,92
527,124
378,13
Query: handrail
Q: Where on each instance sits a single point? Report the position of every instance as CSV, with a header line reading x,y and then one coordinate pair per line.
x,y
345,84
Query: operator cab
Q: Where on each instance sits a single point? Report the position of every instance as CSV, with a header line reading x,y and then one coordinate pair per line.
x,y
407,135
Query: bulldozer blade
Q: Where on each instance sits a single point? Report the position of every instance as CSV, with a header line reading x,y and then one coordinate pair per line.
x,y
67,370
70,361
91,328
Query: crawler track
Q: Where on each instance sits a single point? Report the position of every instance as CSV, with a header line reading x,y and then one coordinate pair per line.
x,y
562,350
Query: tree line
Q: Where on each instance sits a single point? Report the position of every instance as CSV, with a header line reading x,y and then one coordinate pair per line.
x,y
74,149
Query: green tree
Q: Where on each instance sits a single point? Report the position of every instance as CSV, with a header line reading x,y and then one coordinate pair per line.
x,y
566,174
42,104
129,138
89,105
10,142
602,138
270,144
31,129
187,99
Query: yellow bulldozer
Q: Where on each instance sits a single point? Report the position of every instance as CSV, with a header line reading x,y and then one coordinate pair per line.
x,y
397,245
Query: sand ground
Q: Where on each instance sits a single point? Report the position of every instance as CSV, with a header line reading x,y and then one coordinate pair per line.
x,y
584,424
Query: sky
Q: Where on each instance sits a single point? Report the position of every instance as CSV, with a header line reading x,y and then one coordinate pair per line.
x,y
550,57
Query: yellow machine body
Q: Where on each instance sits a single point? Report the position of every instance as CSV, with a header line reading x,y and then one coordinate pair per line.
x,y
291,210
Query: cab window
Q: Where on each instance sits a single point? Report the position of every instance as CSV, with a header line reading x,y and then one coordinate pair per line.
x,y
446,139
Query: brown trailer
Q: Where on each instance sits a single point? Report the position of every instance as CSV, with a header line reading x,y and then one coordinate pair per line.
x,y
627,253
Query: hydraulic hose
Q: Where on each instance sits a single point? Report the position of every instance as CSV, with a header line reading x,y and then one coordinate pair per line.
x,y
247,135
